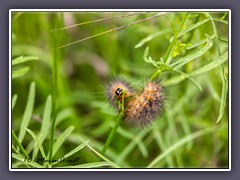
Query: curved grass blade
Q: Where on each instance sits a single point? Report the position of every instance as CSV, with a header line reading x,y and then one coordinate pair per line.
x,y
178,144
28,111
22,59
19,144
75,150
14,100
182,61
224,95
34,136
61,139
31,163
20,72
100,155
194,26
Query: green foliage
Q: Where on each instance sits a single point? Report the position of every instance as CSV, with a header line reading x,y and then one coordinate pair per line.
x,y
64,111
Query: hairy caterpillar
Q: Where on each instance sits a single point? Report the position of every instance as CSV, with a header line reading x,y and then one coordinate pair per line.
x,y
142,107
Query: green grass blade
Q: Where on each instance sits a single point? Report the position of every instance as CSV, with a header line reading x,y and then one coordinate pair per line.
x,y
34,136
61,139
182,61
100,155
151,37
90,165
211,65
75,150
28,111
191,27
46,119
177,145
31,163
22,59
14,100
19,144
224,95
20,72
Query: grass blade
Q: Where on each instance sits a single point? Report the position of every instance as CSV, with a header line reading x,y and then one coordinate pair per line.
x,y
22,59
178,144
46,119
20,72
182,61
61,139
75,150
14,100
211,65
19,144
151,37
32,163
194,26
34,136
100,155
89,165
28,111
224,95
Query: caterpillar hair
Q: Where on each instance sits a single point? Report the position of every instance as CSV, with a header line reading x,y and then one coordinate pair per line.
x,y
143,107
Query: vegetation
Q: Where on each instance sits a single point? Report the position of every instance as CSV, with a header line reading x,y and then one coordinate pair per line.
x,y
61,62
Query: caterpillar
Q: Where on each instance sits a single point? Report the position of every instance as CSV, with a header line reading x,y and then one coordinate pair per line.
x,y
142,107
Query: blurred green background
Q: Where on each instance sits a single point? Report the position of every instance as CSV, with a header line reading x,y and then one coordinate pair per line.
x,y
83,69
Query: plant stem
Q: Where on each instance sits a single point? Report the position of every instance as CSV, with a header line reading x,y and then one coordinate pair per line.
x,y
114,129
113,132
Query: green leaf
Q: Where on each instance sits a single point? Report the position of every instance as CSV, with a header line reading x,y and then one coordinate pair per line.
x,y
61,139
224,95
182,61
31,163
177,145
22,59
19,144
100,155
14,100
75,150
34,136
28,111
90,165
151,37
46,119
211,65
191,27
20,72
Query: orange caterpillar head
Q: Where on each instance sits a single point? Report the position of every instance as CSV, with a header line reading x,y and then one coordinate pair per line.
x,y
115,90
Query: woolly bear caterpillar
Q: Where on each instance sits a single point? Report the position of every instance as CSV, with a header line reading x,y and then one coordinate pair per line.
x,y
142,107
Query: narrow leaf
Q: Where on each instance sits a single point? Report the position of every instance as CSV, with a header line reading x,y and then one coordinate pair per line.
x,y
75,150
61,139
34,136
26,161
19,144
28,111
14,100
177,145
20,72
182,61
224,95
90,165
23,59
